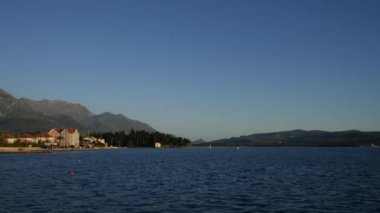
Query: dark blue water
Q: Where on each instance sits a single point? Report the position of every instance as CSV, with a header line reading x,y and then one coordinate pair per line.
x,y
193,180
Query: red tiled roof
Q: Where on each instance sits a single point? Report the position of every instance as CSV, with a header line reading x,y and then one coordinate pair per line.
x,y
43,135
26,136
9,136
71,130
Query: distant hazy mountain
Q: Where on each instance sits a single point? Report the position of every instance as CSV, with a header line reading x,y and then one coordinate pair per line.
x,y
304,138
199,141
10,106
25,115
111,122
59,107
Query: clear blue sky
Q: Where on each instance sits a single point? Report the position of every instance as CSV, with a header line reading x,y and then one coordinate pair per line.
x,y
200,69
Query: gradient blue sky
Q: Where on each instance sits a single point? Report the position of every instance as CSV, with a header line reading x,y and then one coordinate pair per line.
x,y
200,69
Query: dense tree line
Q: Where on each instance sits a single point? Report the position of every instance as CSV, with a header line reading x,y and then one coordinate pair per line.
x,y
141,139
3,142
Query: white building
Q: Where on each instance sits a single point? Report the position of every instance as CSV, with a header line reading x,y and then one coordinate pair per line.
x,y
44,137
27,138
65,137
157,145
10,138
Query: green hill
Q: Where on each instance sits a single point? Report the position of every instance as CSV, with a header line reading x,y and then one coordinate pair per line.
x,y
304,138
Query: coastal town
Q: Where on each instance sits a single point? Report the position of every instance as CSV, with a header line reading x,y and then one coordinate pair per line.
x,y
70,139
26,124
55,139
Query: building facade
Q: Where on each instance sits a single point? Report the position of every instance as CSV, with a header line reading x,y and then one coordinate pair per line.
x,y
157,145
10,138
65,137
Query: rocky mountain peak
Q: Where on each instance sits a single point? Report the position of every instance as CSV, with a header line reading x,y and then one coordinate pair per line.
x,y
59,107
23,115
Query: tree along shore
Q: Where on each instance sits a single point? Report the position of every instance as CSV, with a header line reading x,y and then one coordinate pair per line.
x,y
142,139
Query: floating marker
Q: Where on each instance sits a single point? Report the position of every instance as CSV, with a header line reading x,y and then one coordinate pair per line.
x,y
72,173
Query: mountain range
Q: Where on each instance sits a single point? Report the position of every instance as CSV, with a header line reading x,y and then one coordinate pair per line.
x,y
304,138
24,115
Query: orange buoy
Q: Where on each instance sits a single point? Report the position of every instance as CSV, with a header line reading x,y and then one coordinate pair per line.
x,y
71,173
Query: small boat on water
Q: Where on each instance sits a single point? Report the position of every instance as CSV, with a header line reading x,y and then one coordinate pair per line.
x,y
373,145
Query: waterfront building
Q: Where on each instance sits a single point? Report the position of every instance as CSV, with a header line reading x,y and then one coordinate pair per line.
x,y
66,137
157,145
27,138
10,138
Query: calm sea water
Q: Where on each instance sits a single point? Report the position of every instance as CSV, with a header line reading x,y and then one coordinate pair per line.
x,y
193,180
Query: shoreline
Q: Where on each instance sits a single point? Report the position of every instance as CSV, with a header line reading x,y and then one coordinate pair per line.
x,y
20,150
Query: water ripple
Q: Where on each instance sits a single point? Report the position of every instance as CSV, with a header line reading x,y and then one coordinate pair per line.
x,y
193,180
